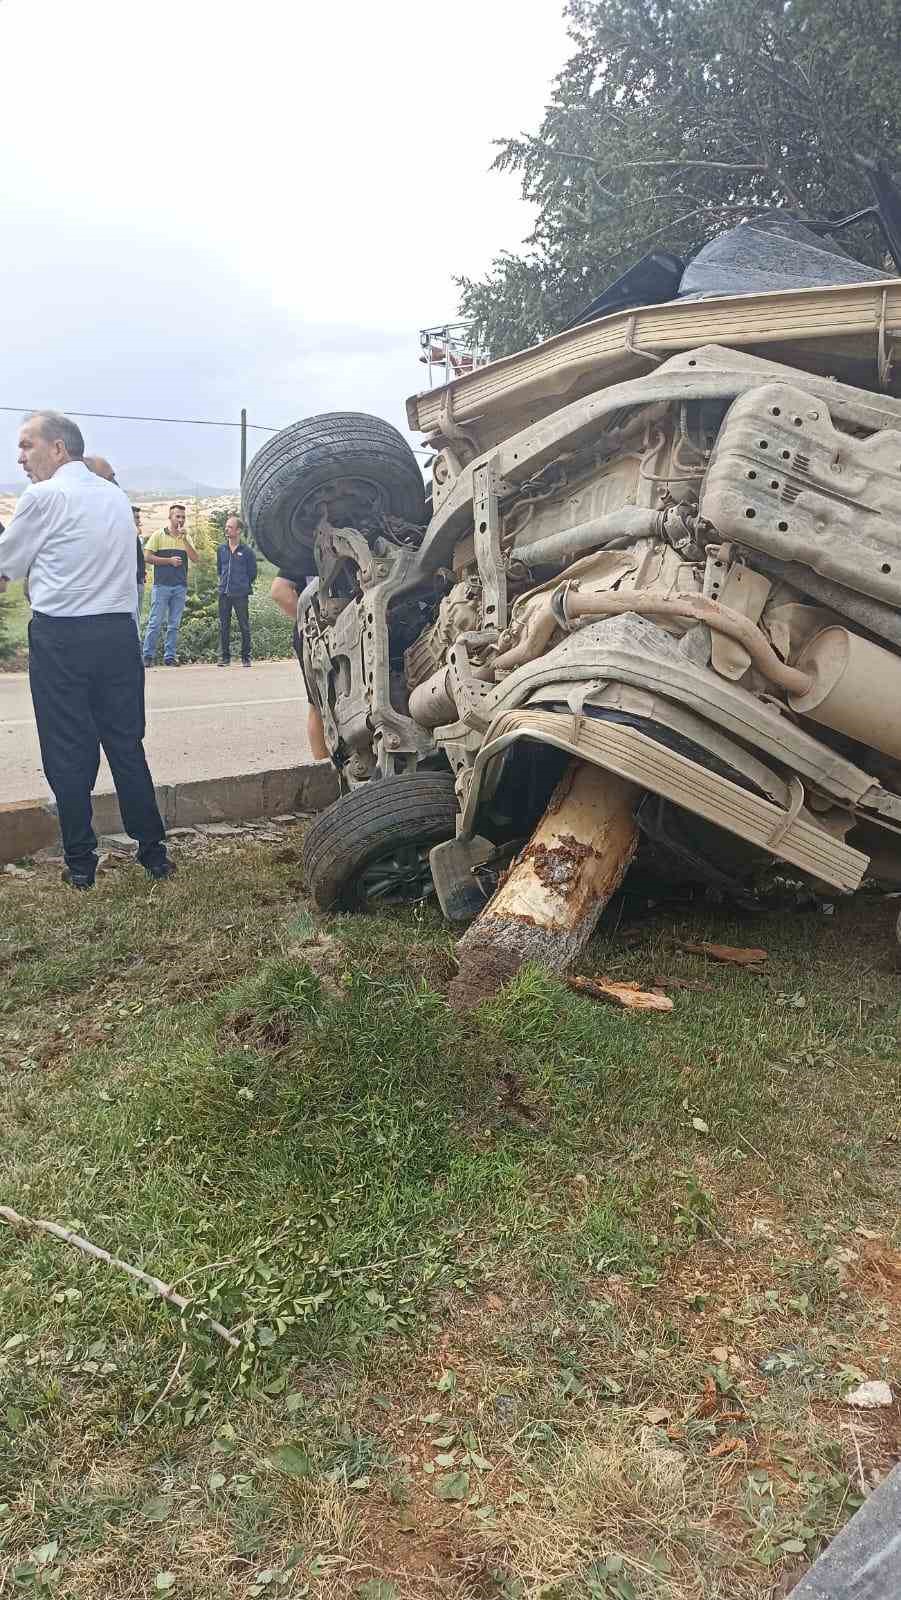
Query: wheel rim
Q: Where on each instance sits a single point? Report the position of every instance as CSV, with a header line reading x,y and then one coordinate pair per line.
x,y
346,498
400,874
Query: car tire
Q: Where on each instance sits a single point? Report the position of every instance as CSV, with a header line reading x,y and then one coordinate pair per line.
x,y
379,835
365,461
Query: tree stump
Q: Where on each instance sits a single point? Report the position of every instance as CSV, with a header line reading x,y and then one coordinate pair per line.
x,y
546,907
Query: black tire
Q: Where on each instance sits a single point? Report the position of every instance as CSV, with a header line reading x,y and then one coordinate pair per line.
x,y
289,478
379,833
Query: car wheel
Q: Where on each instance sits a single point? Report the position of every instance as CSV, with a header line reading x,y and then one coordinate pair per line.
x,y
357,467
371,848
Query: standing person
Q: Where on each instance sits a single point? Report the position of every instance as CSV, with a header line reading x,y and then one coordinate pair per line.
x,y
142,564
168,552
73,534
102,468
237,568
285,590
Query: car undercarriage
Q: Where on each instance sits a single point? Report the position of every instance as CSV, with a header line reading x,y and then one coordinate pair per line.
x,y
647,629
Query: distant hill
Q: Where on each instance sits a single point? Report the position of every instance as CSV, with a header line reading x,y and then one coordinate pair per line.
x,y
154,482
166,480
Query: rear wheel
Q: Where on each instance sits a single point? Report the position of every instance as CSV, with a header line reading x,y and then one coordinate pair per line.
x,y
372,846
356,468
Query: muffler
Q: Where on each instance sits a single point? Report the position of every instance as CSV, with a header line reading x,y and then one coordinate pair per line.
x,y
855,688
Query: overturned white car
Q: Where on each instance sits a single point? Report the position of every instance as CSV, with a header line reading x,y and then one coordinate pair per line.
x,y
649,620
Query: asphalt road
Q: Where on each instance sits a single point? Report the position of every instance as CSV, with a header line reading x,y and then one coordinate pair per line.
x,y
202,722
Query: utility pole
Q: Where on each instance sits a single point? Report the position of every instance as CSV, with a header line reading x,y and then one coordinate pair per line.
x,y
243,442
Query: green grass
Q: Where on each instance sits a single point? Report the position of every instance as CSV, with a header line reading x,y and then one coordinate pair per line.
x,y
14,617
493,1258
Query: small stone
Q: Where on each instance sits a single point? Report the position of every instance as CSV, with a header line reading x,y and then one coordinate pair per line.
x,y
218,829
869,1395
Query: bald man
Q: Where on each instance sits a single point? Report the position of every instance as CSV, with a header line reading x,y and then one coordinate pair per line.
x,y
101,468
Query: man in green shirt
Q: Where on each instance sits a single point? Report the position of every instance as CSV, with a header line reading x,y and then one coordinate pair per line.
x,y
168,552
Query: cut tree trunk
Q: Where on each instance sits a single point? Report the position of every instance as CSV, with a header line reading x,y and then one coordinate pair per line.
x,y
546,908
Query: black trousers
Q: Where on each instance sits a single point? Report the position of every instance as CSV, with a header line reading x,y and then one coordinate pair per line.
x,y
238,603
87,687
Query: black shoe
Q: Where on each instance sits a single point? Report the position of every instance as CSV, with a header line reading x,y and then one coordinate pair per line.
x,y
77,880
161,869
245,663
170,663
147,660
223,663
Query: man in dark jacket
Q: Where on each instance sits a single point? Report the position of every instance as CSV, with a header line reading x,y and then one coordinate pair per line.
x,y
237,567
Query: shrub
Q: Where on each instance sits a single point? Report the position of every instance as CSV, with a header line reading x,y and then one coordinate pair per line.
x,y
198,640
8,645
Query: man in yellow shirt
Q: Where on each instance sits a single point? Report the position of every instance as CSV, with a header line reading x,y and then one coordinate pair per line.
x,y
168,552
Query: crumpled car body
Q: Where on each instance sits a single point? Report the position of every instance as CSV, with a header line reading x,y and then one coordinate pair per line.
x,y
665,544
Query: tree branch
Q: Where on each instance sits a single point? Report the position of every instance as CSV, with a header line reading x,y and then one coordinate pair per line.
x,y
683,161
669,161
164,1290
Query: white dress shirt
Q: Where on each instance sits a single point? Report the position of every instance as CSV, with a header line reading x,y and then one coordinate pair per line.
x,y
73,536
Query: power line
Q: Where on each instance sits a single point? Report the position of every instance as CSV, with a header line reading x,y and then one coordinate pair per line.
x,y
119,416
190,422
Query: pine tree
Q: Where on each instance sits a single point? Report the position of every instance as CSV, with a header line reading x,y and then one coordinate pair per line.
x,y
673,121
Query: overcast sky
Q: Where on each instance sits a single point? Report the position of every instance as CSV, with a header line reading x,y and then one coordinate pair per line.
x,y
210,204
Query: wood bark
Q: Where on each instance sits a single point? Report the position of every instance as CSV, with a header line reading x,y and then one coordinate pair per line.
x,y
547,907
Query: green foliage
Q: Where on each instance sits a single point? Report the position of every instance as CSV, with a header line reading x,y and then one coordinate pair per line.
x,y
198,639
670,123
7,643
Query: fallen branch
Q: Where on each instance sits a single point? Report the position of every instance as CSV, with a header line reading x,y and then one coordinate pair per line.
x,y
734,955
163,1392
627,995
164,1290
860,1477
705,1222
374,1266
763,1158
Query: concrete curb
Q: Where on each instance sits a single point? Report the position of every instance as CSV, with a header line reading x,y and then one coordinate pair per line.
x,y
27,826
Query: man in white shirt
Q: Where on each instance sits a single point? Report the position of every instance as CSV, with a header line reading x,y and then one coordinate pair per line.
x,y
73,536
